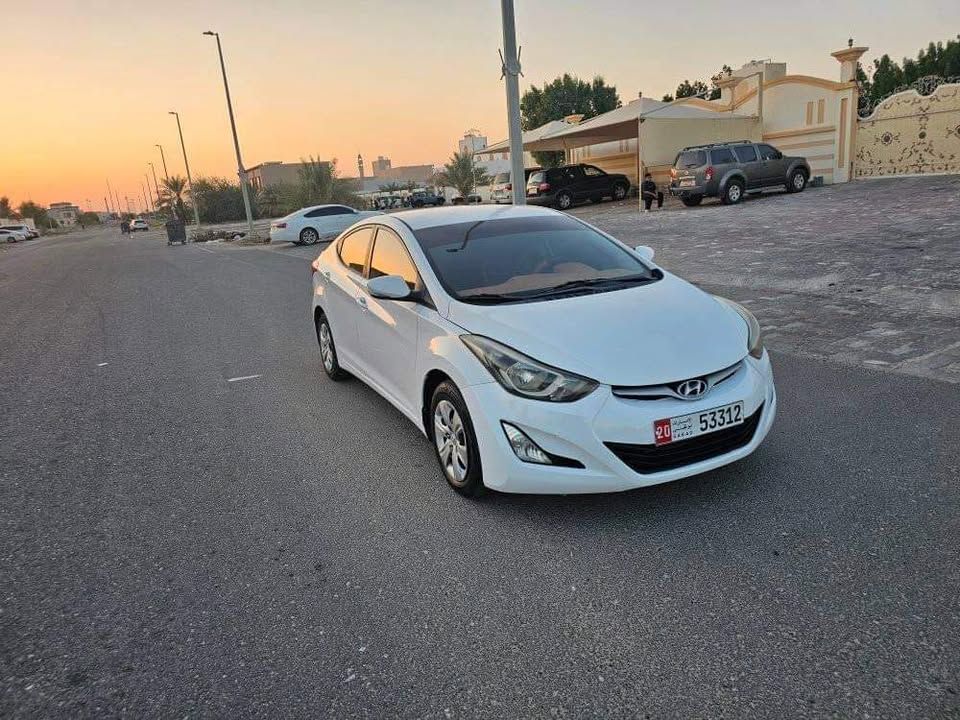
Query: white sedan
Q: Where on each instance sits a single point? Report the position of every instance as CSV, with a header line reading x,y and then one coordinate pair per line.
x,y
310,225
12,236
539,354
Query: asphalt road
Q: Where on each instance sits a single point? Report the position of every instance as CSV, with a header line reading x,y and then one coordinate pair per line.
x,y
173,544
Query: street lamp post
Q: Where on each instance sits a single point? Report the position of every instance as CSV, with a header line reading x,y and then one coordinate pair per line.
x,y
511,72
156,189
241,172
193,200
164,161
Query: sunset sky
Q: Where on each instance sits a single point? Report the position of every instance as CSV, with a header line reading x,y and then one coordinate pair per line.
x,y
88,83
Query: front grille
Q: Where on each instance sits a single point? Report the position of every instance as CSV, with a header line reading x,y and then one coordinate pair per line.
x,y
647,459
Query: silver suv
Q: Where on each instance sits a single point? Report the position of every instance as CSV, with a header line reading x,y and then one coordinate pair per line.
x,y
728,170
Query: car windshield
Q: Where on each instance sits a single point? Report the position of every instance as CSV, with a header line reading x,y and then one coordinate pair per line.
x,y
690,159
501,178
521,259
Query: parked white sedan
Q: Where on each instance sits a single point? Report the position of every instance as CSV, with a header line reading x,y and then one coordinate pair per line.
x,y
539,354
312,224
12,236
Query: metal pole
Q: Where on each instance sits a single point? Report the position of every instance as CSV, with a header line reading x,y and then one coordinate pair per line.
x,y
146,205
156,189
109,193
241,172
164,161
193,200
511,72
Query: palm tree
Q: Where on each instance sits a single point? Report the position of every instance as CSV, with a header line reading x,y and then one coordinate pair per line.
x,y
463,173
172,190
319,185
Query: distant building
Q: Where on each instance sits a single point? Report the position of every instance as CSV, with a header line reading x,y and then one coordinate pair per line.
x,y
380,166
275,172
64,213
419,174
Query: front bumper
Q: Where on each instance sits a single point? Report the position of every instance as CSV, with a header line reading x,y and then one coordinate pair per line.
x,y
581,430
540,200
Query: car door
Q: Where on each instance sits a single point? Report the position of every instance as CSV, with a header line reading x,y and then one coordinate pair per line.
x,y
595,181
774,173
750,163
340,217
387,329
346,296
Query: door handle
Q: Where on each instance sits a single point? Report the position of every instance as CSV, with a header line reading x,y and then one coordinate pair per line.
x,y
326,274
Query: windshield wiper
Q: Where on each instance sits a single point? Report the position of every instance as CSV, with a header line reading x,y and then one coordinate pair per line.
x,y
593,283
491,298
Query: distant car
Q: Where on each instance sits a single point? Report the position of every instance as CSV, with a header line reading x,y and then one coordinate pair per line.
x,y
563,186
426,198
310,225
139,224
731,169
30,232
501,190
12,236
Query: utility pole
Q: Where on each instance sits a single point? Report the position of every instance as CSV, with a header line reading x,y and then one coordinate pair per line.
x,y
109,193
241,172
511,72
193,200
146,205
164,161
155,188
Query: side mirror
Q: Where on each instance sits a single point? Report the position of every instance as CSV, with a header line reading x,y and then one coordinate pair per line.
x,y
644,251
388,287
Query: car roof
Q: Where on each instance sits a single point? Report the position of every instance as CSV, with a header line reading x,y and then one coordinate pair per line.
x,y
452,215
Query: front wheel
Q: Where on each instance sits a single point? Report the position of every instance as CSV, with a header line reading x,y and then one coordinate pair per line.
x,y
733,193
797,182
328,350
455,441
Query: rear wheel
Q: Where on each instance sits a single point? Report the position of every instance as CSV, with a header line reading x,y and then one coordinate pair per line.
x,y
691,200
797,182
619,191
733,193
564,200
328,350
455,441
309,236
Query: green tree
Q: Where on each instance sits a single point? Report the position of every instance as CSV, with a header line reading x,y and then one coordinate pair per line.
x,y
691,89
6,210
462,173
937,59
320,184
172,192
667,98
218,200
277,200
30,209
566,95
89,218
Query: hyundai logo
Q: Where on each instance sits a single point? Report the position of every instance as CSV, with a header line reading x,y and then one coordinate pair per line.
x,y
691,389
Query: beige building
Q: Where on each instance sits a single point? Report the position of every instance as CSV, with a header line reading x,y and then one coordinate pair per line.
x,y
64,213
274,172
801,115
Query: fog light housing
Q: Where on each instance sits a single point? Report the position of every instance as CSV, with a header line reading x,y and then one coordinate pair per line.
x,y
525,448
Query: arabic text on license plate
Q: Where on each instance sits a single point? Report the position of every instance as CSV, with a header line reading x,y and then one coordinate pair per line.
x,y
688,182
684,427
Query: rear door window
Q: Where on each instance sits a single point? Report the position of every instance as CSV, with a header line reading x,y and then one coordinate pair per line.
x,y
691,159
591,171
353,249
769,152
722,156
340,210
319,212
745,153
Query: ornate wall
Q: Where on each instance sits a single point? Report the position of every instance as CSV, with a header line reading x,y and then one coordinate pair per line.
x,y
911,134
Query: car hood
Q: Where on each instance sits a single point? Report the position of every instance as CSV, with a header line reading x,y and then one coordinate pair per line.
x,y
646,335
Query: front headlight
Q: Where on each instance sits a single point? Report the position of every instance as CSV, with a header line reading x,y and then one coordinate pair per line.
x,y
525,376
754,337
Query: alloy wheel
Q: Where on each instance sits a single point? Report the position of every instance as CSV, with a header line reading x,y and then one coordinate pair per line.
x,y
798,181
564,201
619,192
450,438
309,236
734,193
326,347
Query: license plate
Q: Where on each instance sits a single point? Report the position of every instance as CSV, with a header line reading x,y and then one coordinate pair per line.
x,y
684,427
688,182
531,192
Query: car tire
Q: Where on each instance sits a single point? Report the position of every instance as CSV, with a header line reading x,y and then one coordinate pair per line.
x,y
691,200
309,236
455,442
564,200
732,193
620,191
797,181
328,350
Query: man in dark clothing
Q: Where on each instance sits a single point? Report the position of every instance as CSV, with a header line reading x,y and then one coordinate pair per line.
x,y
650,193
